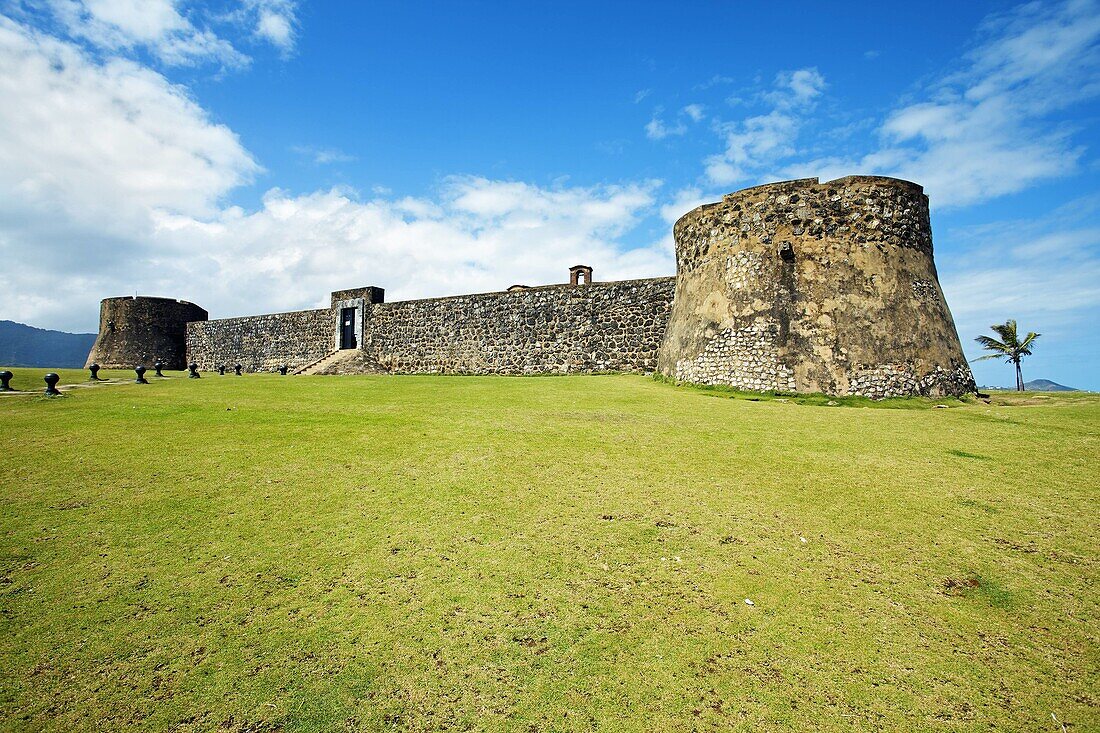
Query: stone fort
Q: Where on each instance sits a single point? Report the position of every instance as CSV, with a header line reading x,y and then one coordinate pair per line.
x,y
797,286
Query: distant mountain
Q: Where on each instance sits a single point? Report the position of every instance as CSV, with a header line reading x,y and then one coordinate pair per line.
x,y
22,345
1045,385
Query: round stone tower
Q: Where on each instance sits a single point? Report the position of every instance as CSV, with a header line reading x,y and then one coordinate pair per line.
x,y
803,286
140,330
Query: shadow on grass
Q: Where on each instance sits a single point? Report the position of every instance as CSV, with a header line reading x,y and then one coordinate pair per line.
x,y
964,454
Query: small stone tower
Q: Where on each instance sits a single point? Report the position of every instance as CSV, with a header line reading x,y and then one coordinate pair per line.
x,y
140,330
804,286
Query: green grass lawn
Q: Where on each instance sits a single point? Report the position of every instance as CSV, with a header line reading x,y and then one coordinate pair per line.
x,y
574,553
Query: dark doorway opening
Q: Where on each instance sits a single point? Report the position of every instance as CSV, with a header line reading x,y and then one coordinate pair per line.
x,y
347,328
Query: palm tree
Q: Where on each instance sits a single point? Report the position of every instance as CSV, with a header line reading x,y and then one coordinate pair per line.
x,y
1010,347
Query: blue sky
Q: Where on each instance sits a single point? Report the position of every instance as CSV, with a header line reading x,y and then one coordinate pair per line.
x,y
252,155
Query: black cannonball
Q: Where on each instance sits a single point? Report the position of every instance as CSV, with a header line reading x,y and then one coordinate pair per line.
x,y
51,381
237,369
5,377
140,371
194,369
94,369
282,370
158,366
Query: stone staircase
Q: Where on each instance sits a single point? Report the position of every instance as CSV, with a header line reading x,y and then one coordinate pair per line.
x,y
328,360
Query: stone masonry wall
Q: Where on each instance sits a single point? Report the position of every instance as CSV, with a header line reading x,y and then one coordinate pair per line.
x,y
140,330
263,343
813,287
554,329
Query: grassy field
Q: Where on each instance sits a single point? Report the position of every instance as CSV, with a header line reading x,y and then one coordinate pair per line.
x,y
465,553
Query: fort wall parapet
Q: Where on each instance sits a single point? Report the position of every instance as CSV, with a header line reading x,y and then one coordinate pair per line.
x,y
556,329
262,343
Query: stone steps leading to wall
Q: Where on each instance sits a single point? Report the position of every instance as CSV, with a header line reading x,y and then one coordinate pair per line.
x,y
327,361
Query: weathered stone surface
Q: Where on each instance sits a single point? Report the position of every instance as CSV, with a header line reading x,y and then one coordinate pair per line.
x,y
813,287
555,329
263,343
141,330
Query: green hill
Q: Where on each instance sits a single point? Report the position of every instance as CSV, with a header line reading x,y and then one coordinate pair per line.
x,y
271,553
1045,385
22,345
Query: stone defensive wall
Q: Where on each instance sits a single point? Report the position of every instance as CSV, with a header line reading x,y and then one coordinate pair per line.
x,y
141,330
797,286
813,287
262,343
554,329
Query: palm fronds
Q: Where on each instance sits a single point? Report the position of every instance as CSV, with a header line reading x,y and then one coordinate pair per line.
x,y
1009,348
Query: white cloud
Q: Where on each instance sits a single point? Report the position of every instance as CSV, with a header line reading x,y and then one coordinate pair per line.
x,y
155,25
657,129
275,21
135,203
804,85
1044,272
167,28
759,141
101,141
683,201
985,130
477,235
694,111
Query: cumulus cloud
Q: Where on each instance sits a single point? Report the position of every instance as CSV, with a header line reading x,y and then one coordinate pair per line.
x,y
113,181
475,235
683,201
274,21
694,111
1043,272
759,141
157,26
658,129
1040,268
175,32
986,130
101,141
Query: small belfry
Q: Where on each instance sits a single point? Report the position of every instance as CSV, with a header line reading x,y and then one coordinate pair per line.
x,y
580,275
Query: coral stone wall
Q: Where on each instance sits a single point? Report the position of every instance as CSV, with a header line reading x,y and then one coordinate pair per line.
x,y
813,287
141,330
544,330
263,343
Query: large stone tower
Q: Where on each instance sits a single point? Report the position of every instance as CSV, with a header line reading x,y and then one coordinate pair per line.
x,y
140,330
813,287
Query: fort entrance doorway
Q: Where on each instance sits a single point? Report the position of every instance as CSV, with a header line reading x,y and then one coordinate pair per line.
x,y
347,328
